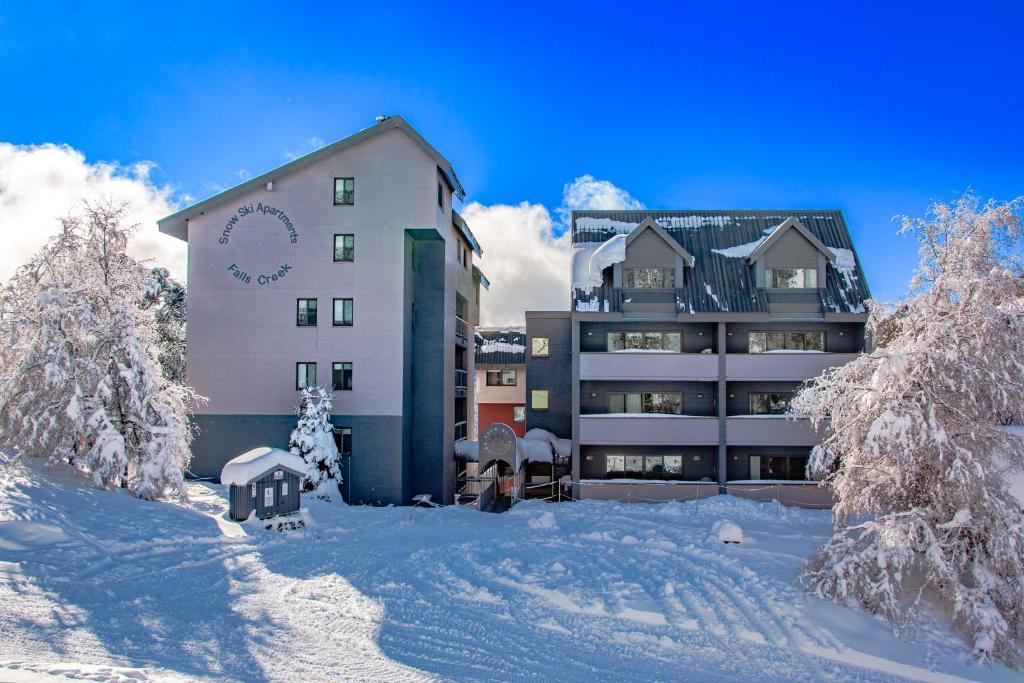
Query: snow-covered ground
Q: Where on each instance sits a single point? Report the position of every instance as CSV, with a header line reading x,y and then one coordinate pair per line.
x,y
96,585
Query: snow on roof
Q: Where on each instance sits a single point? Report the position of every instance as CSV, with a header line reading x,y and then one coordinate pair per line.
x,y
589,259
257,462
502,347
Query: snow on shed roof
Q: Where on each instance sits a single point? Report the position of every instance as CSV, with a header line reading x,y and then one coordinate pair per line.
x,y
257,462
500,347
721,279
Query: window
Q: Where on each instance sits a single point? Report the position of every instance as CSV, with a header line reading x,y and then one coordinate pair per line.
x,y
646,466
341,376
539,346
440,195
306,316
667,403
343,312
519,413
344,191
539,399
305,375
501,378
791,278
760,342
268,497
650,278
784,467
284,489
344,248
343,439
770,403
645,341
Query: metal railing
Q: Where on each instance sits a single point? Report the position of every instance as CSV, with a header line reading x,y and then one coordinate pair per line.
x,y
460,430
461,331
461,382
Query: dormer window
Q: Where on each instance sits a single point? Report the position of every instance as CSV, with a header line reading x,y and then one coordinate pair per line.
x,y
650,278
791,278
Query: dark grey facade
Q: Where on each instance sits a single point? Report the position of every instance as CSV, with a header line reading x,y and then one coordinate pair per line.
x,y
551,373
275,492
729,311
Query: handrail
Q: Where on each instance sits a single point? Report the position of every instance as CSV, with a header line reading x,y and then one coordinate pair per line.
x,y
460,430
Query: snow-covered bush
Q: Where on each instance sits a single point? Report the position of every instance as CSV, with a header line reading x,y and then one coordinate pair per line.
x,y
167,297
913,451
80,378
313,439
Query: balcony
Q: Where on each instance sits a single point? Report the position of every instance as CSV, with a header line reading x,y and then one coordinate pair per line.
x,y
770,430
782,366
460,430
648,365
460,382
461,332
646,429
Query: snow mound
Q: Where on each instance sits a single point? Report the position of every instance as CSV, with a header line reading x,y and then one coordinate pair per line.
x,y
545,520
246,467
725,531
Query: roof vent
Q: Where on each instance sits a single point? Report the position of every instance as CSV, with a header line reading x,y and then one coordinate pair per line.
x,y
381,118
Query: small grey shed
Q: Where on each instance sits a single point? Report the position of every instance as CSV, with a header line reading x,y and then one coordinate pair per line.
x,y
265,480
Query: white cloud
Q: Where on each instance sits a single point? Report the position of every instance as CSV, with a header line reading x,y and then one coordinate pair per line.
x,y
526,251
39,184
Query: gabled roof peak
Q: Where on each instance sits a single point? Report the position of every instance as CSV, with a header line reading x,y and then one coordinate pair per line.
x,y
776,234
650,224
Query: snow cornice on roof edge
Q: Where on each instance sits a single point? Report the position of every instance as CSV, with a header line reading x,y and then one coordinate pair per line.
x,y
176,224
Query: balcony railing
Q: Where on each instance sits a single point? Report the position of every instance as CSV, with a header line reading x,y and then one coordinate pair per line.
x,y
653,366
622,296
461,379
460,430
461,331
648,429
774,430
781,365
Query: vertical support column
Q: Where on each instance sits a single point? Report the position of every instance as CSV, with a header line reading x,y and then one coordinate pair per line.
x,y
575,351
722,464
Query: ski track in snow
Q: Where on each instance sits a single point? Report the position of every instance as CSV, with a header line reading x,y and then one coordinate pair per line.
x,y
95,585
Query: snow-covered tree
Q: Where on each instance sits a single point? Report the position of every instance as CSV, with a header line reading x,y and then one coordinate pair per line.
x,y
167,297
313,439
80,378
913,450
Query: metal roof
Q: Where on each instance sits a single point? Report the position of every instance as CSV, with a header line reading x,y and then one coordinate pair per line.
x,y
176,224
718,283
501,347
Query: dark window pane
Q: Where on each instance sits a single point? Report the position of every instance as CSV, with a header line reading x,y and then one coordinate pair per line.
x,y
634,464
616,403
344,247
757,342
344,191
673,465
306,312
814,341
776,341
616,341
615,465
343,311
673,342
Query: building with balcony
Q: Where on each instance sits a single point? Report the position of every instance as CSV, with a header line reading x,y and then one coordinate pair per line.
x,y
348,268
500,379
689,331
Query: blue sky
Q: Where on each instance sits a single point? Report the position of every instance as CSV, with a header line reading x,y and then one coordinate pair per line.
x,y
868,108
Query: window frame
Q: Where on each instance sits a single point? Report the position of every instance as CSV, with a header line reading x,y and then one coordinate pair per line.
x,y
519,413
339,439
352,249
501,377
307,363
643,402
351,375
440,195
534,394
533,347
298,312
769,401
765,460
624,335
352,192
772,282
647,461
821,334
667,276
351,312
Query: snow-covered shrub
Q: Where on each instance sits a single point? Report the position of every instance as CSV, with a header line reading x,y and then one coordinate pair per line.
x,y
80,378
913,451
313,439
167,297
